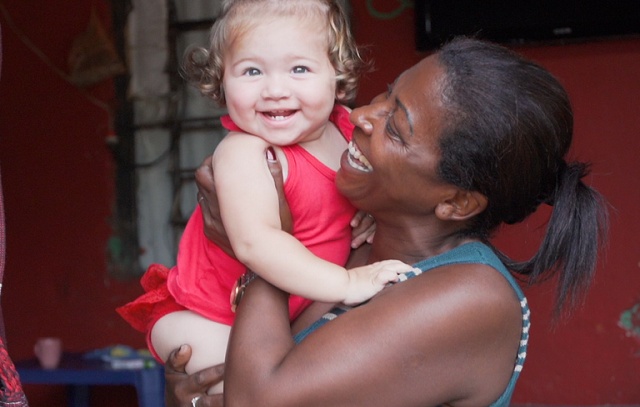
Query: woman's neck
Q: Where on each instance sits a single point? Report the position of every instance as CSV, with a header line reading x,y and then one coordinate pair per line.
x,y
412,243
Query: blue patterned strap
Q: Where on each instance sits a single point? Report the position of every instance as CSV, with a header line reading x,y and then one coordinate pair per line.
x,y
505,399
329,316
341,309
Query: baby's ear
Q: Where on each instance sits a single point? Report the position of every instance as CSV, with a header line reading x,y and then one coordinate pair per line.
x,y
462,206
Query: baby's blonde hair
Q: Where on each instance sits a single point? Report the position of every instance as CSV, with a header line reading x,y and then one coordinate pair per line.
x,y
205,68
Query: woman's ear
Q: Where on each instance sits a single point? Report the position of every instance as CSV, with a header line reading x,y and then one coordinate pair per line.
x,y
462,206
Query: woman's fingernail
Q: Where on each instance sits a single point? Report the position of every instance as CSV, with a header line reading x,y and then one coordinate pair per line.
x,y
271,154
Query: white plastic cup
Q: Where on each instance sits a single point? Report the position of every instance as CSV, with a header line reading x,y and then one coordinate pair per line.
x,y
48,351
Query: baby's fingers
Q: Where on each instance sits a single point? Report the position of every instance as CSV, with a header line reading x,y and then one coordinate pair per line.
x,y
390,271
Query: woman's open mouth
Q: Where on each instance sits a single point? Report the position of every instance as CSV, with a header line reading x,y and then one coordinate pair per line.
x,y
356,159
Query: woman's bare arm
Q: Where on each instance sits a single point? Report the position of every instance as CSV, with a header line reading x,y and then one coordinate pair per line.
x,y
450,335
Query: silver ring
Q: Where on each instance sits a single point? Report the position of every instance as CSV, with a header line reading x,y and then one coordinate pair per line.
x,y
194,401
200,198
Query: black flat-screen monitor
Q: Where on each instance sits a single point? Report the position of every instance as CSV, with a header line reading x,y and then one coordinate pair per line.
x,y
524,21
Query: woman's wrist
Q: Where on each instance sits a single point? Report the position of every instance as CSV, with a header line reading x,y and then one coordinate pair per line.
x,y
237,292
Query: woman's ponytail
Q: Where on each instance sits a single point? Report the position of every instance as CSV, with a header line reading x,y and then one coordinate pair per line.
x,y
575,233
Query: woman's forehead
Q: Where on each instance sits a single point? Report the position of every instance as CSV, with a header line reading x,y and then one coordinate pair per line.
x,y
426,74
420,87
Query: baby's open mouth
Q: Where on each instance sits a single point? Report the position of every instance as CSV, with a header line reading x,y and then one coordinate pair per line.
x,y
357,160
278,115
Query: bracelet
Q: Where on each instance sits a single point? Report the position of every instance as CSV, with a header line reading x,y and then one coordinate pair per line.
x,y
237,292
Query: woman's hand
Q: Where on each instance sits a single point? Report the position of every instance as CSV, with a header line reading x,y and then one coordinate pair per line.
x,y
364,228
286,222
208,201
181,389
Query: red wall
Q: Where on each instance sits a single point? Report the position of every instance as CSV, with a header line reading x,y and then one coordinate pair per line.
x,y
58,181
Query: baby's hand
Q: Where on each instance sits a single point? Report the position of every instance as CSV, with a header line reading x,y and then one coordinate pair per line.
x,y
364,228
367,281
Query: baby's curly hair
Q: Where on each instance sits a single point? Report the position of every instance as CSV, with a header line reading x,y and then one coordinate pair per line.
x,y
205,68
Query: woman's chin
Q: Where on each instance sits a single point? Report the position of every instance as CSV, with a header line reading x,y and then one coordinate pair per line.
x,y
352,182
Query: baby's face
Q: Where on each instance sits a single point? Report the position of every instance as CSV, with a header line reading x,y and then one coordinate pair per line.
x,y
279,83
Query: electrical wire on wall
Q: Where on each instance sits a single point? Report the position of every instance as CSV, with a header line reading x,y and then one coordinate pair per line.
x,y
388,15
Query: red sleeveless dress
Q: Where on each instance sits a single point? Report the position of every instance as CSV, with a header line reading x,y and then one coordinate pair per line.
x,y
204,275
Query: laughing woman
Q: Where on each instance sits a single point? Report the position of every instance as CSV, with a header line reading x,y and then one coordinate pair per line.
x,y
470,138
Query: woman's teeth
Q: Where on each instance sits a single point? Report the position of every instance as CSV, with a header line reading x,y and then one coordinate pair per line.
x,y
357,160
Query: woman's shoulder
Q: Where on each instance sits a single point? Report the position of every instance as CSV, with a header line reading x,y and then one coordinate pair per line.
x,y
452,332
464,285
478,288
467,314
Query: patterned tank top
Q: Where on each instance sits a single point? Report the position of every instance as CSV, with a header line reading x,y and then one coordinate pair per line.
x,y
469,253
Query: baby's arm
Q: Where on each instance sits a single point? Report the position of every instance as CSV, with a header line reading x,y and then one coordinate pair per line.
x,y
249,210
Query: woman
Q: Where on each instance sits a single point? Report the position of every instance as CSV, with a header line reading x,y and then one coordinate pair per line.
x,y
468,139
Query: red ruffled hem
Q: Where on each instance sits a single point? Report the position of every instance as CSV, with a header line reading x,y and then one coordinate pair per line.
x,y
144,311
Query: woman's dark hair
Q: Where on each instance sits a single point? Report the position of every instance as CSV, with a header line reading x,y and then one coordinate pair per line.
x,y
508,128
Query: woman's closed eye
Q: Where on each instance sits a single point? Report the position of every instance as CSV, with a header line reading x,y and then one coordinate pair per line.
x,y
392,130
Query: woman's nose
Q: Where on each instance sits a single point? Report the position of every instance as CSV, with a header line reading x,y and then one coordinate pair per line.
x,y
364,117
359,119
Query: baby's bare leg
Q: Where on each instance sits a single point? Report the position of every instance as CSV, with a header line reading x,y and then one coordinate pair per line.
x,y
208,340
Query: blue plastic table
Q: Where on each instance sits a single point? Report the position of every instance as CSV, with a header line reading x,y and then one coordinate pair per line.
x,y
80,374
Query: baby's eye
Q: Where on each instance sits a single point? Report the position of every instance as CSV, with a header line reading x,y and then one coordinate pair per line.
x,y
251,72
300,69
